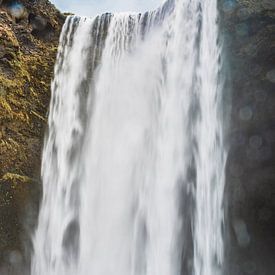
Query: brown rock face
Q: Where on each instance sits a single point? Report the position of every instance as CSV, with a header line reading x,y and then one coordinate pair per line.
x,y
26,67
249,28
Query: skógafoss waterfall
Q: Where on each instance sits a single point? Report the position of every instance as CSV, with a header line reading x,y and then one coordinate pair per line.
x,y
134,159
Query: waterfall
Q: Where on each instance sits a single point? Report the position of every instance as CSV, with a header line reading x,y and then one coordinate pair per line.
x,y
134,159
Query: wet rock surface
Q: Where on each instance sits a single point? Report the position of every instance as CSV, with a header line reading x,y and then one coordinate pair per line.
x,y
249,30
26,68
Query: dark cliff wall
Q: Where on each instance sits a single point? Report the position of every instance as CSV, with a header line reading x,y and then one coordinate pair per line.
x,y
27,57
249,29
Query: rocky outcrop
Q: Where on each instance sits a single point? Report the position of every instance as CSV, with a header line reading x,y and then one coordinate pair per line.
x,y
249,31
27,57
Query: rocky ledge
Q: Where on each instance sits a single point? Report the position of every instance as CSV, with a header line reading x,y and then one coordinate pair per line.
x,y
29,34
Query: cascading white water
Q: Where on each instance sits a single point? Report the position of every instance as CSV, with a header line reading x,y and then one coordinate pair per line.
x,y
135,107
210,156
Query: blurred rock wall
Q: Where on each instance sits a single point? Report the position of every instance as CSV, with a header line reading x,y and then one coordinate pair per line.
x,y
248,28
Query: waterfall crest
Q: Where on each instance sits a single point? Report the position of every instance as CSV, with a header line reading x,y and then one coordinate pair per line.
x,y
134,160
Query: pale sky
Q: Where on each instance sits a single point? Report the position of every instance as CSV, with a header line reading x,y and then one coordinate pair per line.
x,y
94,7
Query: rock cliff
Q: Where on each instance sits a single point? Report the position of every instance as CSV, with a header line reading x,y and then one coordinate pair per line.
x,y
27,57
249,31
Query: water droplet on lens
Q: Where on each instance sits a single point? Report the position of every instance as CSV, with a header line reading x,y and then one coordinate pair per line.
x,y
246,113
242,29
241,232
229,6
243,14
255,142
271,76
15,257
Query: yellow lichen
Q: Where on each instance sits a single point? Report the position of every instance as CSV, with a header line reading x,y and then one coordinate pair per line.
x,y
16,177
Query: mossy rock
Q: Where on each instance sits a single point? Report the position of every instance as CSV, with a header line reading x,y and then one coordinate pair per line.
x,y
26,70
